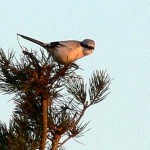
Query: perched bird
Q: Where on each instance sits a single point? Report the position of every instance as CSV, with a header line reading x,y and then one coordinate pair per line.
x,y
65,52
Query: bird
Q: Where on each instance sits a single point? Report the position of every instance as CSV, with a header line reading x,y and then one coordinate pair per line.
x,y
65,52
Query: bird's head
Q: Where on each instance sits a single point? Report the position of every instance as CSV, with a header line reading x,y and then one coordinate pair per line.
x,y
88,46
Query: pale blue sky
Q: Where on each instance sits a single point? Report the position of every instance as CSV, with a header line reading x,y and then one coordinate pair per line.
x,y
121,30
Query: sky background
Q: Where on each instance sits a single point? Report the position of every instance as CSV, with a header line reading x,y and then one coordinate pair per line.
x,y
121,30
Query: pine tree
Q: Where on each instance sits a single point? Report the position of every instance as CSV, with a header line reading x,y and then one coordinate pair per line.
x,y
50,99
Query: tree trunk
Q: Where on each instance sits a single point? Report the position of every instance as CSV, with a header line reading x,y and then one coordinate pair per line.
x,y
44,121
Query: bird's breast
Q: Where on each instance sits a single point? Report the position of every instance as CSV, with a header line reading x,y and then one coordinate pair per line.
x,y
67,55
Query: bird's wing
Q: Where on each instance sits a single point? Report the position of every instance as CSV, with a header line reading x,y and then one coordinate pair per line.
x,y
54,45
33,40
70,44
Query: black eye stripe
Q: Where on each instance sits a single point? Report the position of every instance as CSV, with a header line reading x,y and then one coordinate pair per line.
x,y
86,46
90,47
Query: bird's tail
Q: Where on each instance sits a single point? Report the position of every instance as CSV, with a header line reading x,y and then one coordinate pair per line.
x,y
33,40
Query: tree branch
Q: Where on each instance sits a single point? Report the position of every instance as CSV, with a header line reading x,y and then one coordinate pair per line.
x,y
55,141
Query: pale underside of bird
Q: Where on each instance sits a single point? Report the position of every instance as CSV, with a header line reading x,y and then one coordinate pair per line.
x,y
65,52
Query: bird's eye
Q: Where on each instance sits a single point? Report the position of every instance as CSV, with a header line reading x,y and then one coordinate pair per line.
x,y
86,46
90,47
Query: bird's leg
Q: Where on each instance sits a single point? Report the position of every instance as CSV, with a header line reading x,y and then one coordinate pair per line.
x,y
74,65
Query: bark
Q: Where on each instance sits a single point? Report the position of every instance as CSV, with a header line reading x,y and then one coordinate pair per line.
x,y
55,141
44,121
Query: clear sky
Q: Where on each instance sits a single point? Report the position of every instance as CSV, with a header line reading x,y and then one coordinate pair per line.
x,y
121,30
